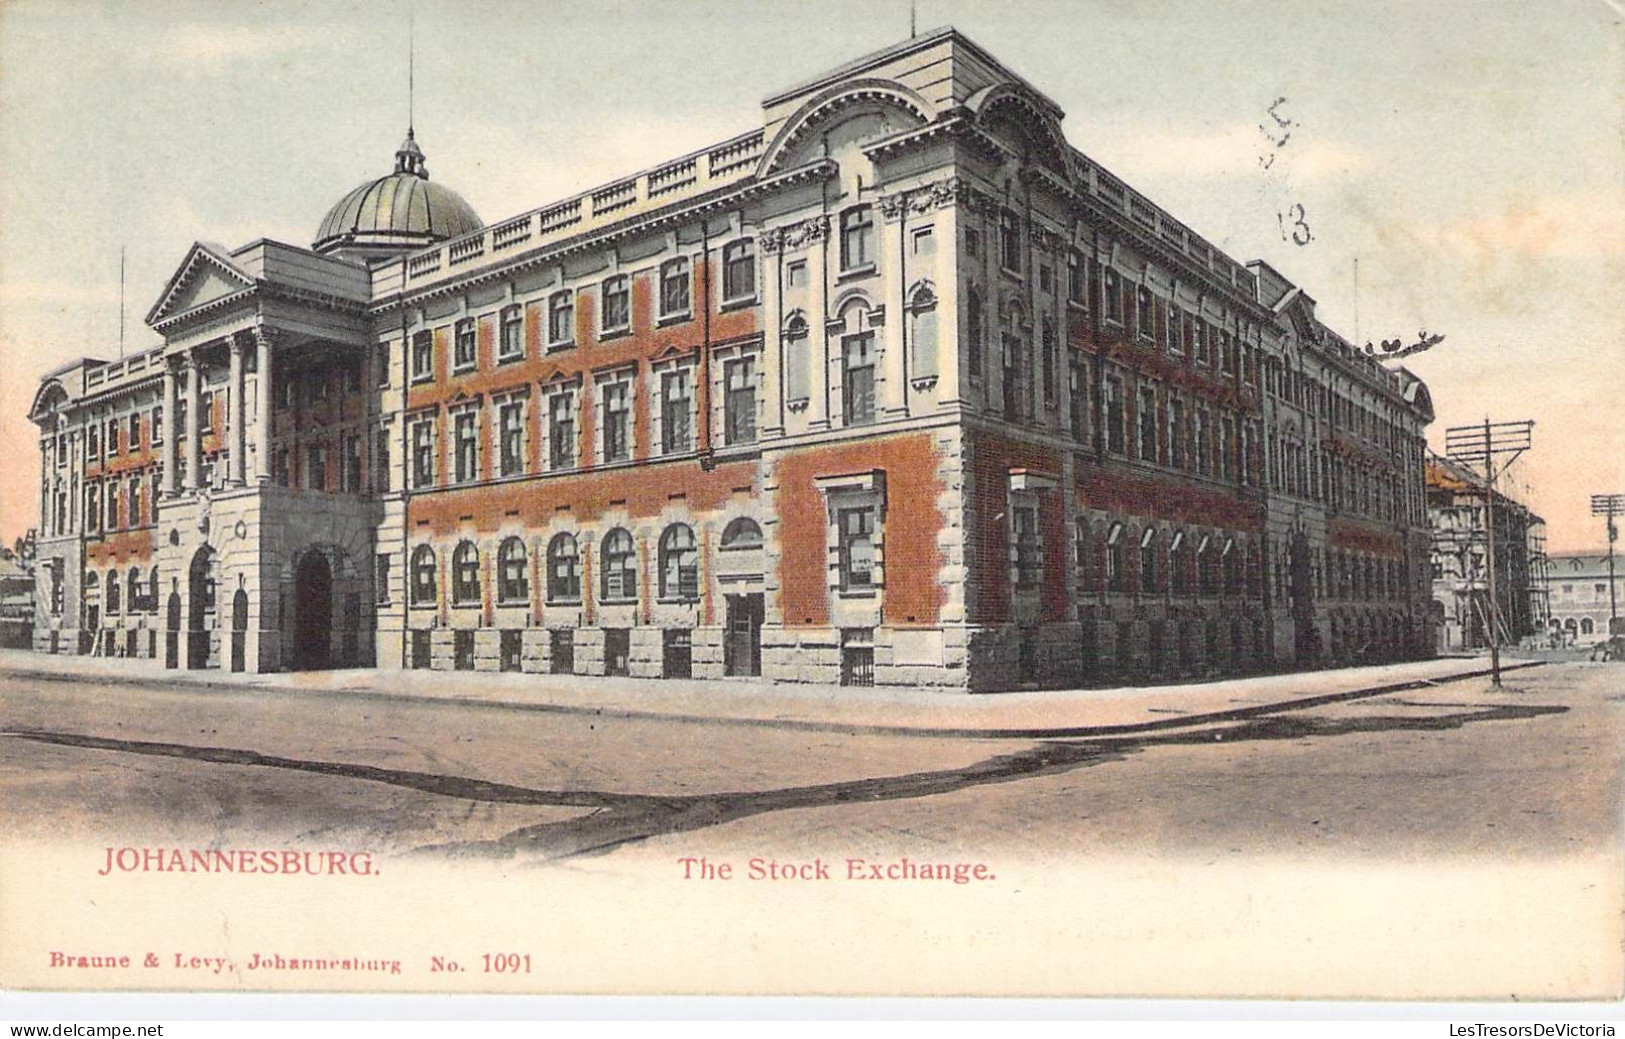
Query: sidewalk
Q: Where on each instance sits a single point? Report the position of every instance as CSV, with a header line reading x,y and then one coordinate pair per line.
x,y
1047,713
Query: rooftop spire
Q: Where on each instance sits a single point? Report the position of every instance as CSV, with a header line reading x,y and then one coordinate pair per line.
x,y
409,157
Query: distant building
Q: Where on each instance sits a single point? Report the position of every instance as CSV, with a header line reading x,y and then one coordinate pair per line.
x,y
1460,550
894,387
1580,602
16,601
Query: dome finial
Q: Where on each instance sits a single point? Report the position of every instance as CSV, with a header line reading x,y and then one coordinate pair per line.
x,y
409,157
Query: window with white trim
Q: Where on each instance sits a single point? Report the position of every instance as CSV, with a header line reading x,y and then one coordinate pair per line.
x,y
616,296
422,356
674,288
858,238
512,346
513,572
615,422
563,569
561,324
618,562
423,451
739,270
465,443
511,436
466,354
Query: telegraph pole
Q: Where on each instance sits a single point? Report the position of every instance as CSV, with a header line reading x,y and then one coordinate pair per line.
x,y
1482,445
1610,505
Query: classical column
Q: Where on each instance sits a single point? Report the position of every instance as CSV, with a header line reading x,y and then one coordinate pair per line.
x,y
263,393
172,432
239,414
194,399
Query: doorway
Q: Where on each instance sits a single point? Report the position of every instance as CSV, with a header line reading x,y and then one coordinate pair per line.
x,y
742,647
313,612
200,614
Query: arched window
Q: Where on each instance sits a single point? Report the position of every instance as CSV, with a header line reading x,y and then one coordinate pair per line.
x,y
674,296
1585,626
563,569
617,303
1015,365
465,574
423,576
561,309
133,600
1116,563
679,563
513,580
973,331
112,591
922,332
797,360
618,561
1179,553
742,533
1149,578
152,590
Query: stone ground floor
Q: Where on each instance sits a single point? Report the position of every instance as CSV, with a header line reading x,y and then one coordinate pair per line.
x,y
1128,642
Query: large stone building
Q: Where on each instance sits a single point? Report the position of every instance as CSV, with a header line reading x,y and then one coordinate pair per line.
x,y
1457,499
896,387
1582,605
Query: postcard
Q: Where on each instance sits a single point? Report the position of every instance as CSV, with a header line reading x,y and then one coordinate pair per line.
x,y
915,499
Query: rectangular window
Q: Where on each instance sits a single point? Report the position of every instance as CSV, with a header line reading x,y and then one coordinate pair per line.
x,y
511,420
858,379
795,274
134,432
1077,379
1077,279
423,453
1046,278
739,270
1024,533
282,467
617,422
1173,329
1176,434
925,242
1116,416
561,439
857,548
380,462
561,321
205,415
1112,292
857,238
351,474
740,403
380,365
422,356
617,299
1145,314
316,467
467,347
465,440
380,577
674,294
512,347
1010,242
676,407
1148,425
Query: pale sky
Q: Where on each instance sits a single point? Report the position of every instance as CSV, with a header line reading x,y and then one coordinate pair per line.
x,y
1471,155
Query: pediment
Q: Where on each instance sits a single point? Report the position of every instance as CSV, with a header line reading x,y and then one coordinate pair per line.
x,y
205,276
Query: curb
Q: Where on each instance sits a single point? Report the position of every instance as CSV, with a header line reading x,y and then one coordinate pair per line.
x,y
795,724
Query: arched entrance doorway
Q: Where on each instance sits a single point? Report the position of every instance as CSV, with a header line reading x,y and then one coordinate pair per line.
x,y
313,612
201,612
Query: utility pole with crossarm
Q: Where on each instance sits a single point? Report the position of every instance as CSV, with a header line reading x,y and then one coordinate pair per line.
x,y
1610,505
1482,445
